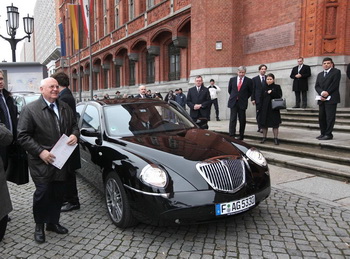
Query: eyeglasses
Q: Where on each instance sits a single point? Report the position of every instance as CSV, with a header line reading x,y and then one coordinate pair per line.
x,y
53,87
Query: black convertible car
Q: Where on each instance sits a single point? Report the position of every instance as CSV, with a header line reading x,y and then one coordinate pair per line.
x,y
155,165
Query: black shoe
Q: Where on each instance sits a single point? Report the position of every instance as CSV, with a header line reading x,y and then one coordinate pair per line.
x,y
217,119
39,234
240,138
320,136
69,206
296,106
277,142
326,137
8,219
263,140
56,228
304,106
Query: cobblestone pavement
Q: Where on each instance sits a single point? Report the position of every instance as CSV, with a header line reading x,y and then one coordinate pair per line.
x,y
286,225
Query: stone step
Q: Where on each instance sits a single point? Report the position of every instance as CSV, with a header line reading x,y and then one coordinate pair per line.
x,y
316,167
298,124
312,120
313,110
330,154
301,115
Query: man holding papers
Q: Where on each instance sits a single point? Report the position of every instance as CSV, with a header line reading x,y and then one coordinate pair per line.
x,y
327,87
41,124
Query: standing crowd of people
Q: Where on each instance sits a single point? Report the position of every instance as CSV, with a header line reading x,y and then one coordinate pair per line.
x,y
42,123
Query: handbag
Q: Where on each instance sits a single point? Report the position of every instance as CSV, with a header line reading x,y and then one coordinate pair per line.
x,y
278,104
17,166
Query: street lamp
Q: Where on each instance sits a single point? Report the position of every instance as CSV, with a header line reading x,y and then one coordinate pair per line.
x,y
12,25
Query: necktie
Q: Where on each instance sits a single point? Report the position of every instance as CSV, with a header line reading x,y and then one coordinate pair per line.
x,y
263,80
52,106
239,84
325,73
198,89
3,107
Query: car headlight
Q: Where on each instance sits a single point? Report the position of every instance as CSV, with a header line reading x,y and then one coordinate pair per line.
x,y
153,175
256,156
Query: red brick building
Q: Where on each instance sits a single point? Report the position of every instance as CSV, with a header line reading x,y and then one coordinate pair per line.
x,y
165,43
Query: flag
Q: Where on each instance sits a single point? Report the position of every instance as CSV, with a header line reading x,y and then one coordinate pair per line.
x,y
85,6
63,40
74,18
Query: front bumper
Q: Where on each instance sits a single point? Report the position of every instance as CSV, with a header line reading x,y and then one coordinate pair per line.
x,y
187,207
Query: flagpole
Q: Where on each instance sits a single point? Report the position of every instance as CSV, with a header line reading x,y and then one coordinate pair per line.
x,y
79,76
90,56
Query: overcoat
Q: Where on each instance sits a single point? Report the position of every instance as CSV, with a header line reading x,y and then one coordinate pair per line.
x,y
6,205
268,117
40,129
66,96
301,84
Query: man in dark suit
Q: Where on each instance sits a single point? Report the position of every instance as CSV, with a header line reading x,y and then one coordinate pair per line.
x,y
259,82
348,71
198,100
142,92
41,124
327,87
300,74
240,89
71,198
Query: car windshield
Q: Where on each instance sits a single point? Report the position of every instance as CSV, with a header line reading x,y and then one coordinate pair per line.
x,y
140,118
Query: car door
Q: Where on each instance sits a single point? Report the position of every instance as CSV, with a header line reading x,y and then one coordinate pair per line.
x,y
90,121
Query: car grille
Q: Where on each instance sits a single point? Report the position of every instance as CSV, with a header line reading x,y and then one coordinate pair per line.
x,y
223,175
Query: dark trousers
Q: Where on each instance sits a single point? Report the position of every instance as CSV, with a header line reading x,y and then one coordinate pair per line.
x,y
303,98
216,106
233,121
326,118
47,202
3,225
71,195
257,115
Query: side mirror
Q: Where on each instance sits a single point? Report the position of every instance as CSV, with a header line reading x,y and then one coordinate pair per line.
x,y
90,132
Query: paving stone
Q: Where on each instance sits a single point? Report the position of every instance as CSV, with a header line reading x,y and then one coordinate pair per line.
x,y
286,225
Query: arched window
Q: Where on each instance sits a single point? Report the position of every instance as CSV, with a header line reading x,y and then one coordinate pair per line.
x,y
131,72
174,62
150,68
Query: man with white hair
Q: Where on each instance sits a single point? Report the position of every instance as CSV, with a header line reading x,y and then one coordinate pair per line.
x,y
41,124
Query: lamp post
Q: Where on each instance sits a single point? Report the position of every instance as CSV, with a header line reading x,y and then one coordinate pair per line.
x,y
12,25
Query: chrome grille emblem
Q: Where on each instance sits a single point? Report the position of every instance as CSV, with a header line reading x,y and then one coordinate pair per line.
x,y
225,175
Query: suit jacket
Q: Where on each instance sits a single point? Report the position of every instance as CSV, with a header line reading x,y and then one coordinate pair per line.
x,y
40,129
203,97
67,97
6,205
13,116
242,96
139,96
330,83
258,89
301,84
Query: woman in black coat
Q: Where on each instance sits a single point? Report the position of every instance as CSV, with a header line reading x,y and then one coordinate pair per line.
x,y
270,118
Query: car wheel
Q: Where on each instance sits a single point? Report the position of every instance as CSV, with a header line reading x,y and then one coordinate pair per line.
x,y
117,203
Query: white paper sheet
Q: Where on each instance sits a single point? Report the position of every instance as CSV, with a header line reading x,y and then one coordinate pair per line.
x,y
62,151
318,98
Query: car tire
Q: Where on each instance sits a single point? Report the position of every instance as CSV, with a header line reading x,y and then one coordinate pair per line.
x,y
117,203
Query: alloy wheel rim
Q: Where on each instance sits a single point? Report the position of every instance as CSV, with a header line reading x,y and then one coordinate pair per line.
x,y
114,200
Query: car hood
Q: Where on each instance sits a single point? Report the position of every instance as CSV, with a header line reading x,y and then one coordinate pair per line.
x,y
193,144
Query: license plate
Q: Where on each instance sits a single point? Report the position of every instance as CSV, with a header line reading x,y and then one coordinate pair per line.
x,y
234,207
